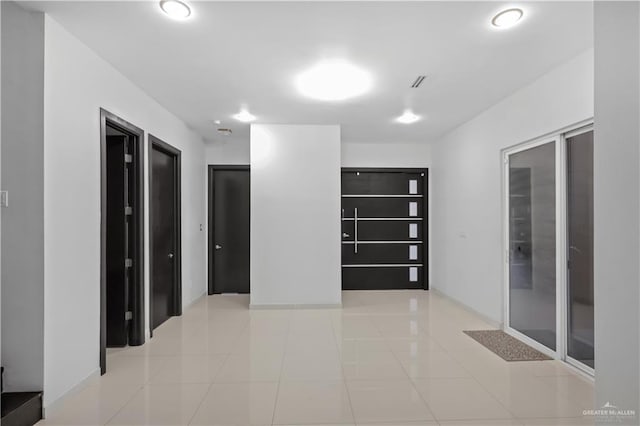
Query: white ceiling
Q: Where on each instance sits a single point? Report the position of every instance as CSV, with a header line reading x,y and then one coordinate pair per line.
x,y
234,54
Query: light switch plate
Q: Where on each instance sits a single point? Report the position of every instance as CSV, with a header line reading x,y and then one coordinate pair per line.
x,y
4,198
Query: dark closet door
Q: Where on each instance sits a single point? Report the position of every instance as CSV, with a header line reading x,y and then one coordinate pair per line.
x,y
164,234
117,271
382,230
229,245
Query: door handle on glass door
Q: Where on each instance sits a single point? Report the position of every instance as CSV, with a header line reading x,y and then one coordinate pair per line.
x,y
218,246
345,235
170,255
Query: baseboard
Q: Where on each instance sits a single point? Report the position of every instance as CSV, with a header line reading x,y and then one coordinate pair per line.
x,y
296,306
492,322
193,302
56,404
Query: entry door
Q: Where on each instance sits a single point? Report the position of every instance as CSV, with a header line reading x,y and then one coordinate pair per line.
x,y
229,242
165,231
117,242
383,228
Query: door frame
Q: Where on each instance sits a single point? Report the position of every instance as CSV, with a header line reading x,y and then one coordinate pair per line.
x,y
557,137
137,324
159,145
426,225
211,215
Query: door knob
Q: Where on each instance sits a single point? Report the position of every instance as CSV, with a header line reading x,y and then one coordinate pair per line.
x,y
170,255
345,235
218,246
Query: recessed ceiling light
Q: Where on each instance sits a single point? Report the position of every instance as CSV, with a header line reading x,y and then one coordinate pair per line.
x,y
507,18
334,81
175,9
217,121
244,116
408,117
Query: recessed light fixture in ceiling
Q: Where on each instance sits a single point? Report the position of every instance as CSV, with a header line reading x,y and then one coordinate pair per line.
x,y
244,116
408,117
175,9
334,80
507,18
217,121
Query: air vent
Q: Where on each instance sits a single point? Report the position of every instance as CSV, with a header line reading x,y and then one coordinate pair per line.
x,y
225,132
418,81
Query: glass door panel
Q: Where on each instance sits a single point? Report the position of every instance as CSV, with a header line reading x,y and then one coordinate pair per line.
x,y
532,243
580,334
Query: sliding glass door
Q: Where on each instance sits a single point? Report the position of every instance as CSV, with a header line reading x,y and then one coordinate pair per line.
x,y
532,243
549,245
580,335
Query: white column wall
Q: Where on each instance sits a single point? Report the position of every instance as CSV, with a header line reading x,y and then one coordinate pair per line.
x,y
617,206
295,215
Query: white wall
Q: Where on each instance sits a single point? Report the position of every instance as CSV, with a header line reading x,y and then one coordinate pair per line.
x,y
617,205
467,181
236,152
77,84
357,154
295,215
401,155
23,220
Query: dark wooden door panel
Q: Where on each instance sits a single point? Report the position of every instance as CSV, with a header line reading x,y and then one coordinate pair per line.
x,y
163,198
379,279
117,297
381,253
381,207
380,183
383,216
384,230
230,246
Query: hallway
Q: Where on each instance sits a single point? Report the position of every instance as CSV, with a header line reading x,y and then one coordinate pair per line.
x,y
379,359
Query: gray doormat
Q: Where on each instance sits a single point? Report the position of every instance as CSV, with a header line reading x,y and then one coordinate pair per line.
x,y
505,346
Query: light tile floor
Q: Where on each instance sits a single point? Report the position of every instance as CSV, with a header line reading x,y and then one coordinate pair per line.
x,y
386,358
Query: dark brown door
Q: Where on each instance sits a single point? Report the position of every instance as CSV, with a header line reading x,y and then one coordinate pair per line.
x,y
383,228
117,241
165,224
229,242
122,309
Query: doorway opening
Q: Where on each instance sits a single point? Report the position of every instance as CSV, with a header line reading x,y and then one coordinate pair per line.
x,y
384,229
165,257
121,235
229,238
